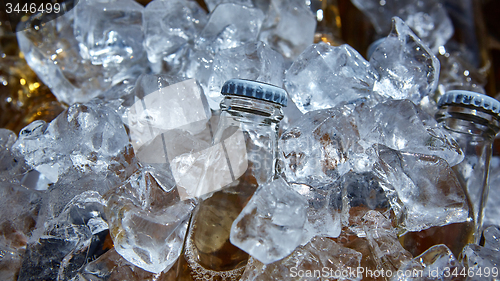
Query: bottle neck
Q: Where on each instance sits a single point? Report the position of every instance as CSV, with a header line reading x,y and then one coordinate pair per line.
x,y
258,122
474,130
470,122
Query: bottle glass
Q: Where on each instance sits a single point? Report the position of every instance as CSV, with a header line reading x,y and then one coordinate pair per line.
x,y
473,120
255,118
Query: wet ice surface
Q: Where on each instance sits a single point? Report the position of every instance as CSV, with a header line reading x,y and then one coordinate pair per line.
x,y
436,263
406,66
147,223
289,26
270,226
428,19
428,193
168,26
84,139
324,76
321,252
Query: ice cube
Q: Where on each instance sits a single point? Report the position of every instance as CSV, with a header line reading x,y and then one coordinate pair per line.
x,y
168,25
109,32
70,239
428,19
492,238
315,150
52,51
254,61
230,25
423,190
289,27
481,261
112,266
323,211
162,104
407,68
324,76
147,223
436,263
401,125
320,256
270,226
84,139
211,4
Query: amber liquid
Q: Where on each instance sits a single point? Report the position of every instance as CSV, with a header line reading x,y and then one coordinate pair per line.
x,y
208,253
455,236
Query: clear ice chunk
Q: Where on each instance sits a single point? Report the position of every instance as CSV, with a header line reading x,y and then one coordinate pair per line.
x,y
230,25
403,126
211,4
109,32
323,211
323,76
482,260
270,226
52,51
112,266
147,223
254,61
314,151
162,104
319,254
423,190
70,239
84,139
12,168
168,26
289,27
406,66
492,238
428,19
436,263
383,241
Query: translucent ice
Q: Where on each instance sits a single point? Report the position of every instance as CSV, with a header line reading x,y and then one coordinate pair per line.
x,y
109,32
492,238
83,139
383,241
482,260
436,263
147,223
324,76
428,191
315,150
289,27
407,68
428,19
253,61
162,104
12,166
58,62
230,25
211,4
112,266
319,254
323,211
168,25
69,241
401,125
270,226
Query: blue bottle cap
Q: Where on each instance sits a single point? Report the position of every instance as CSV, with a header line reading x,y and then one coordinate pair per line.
x,y
256,90
462,97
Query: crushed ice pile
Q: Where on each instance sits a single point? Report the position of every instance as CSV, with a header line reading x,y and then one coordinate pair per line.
x,y
106,190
